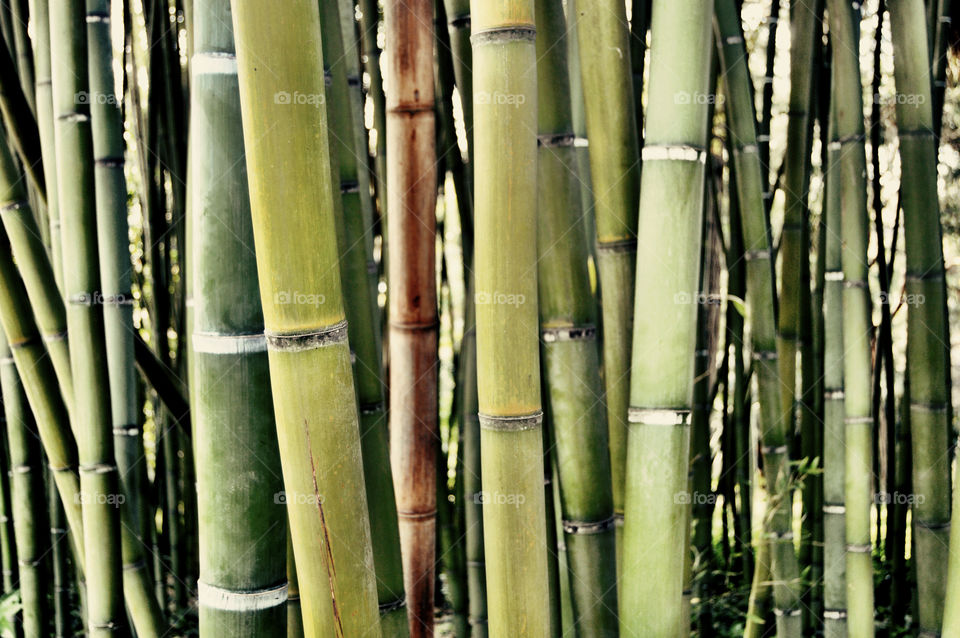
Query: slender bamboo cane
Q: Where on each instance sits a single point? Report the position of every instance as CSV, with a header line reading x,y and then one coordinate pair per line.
x,y
363,321
8,546
239,486
834,583
411,200
40,384
59,549
19,17
27,499
294,615
928,356
858,419
766,92
505,125
458,26
35,268
568,318
285,133
369,28
40,15
664,331
21,122
780,556
91,410
615,172
639,26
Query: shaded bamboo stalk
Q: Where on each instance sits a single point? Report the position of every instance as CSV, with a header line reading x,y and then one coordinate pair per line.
x,y
288,164
608,93
665,320
27,493
571,356
411,200
857,327
239,486
369,28
508,370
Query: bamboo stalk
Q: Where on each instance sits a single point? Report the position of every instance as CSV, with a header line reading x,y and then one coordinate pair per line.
x,y
664,330
571,356
505,125
369,28
21,122
411,200
288,164
928,355
238,485
779,559
99,479
615,179
27,499
858,419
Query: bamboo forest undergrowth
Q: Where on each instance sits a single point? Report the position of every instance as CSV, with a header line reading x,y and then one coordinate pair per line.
x,y
489,318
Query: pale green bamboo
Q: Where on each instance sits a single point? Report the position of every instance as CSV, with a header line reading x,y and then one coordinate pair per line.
x,y
288,164
99,480
508,370
665,318
571,355
928,352
27,494
239,488
857,369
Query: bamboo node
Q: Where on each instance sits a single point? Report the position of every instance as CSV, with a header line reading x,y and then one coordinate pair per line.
x,y
98,468
762,253
507,33
14,206
223,343
511,423
858,420
372,407
95,17
930,408
786,612
109,162
348,186
126,430
588,527
833,275
855,283
556,141
460,21
73,117
774,449
658,416
21,469
837,509
213,62
859,549
764,355
572,333
57,336
674,152
835,395
132,567
309,340
618,246
834,614
252,600
393,605
934,526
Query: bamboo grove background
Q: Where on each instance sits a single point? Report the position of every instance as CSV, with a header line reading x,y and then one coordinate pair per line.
x,y
507,318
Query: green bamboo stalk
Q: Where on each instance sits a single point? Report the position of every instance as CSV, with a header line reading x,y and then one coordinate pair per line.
x,y
40,384
928,355
664,330
19,14
570,353
99,478
27,499
639,26
505,125
858,419
60,548
458,26
288,165
238,487
294,615
35,268
8,546
777,542
40,15
608,93
411,233
21,123
363,321
369,27
834,560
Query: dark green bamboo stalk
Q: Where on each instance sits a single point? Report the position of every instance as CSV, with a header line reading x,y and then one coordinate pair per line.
x,y
294,615
608,93
458,26
928,355
40,15
288,163
239,486
19,16
508,370
35,269
363,321
664,331
369,27
639,26
834,511
99,479
858,419
59,549
775,550
27,499
21,123
571,357
8,546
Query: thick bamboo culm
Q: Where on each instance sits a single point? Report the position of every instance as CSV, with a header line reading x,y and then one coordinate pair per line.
x,y
570,352
413,319
507,326
665,318
610,106
928,352
294,228
239,483
99,480
858,418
